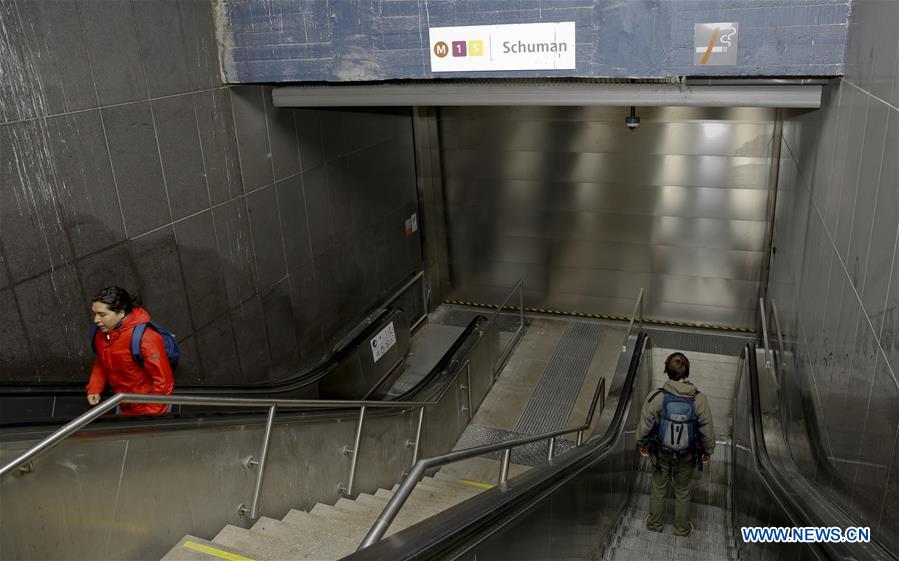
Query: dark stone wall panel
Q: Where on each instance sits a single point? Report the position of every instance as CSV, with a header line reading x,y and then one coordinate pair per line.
x,y
306,305
218,352
114,49
201,50
15,356
202,269
268,244
56,324
232,229
309,137
318,210
65,72
190,370
161,282
343,197
182,157
111,267
252,136
252,339
135,163
162,46
282,337
282,133
292,208
90,202
219,144
31,223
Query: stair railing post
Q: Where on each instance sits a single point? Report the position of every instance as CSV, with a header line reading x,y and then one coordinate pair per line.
x,y
260,465
504,466
421,417
552,449
355,453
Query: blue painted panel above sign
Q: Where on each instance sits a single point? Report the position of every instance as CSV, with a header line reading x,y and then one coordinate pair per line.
x,y
530,46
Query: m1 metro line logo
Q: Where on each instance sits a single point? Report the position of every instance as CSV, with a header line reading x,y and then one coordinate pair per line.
x,y
529,46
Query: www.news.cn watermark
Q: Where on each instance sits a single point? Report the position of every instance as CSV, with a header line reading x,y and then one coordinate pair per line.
x,y
807,534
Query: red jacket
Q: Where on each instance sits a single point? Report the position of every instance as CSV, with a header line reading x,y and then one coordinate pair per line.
x,y
116,366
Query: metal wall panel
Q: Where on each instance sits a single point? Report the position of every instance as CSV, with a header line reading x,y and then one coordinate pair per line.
x,y
832,290
588,212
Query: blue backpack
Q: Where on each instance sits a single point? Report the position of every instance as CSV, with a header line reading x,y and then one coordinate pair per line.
x,y
168,339
677,423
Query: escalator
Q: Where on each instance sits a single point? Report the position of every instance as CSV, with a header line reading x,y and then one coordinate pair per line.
x,y
589,503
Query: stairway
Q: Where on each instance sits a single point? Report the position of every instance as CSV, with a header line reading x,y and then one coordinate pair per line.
x,y
325,532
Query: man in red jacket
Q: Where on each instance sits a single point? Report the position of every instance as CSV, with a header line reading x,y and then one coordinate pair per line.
x,y
115,315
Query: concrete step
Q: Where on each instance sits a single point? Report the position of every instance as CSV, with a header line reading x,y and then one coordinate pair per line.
x,y
264,548
191,548
348,529
341,516
377,503
322,544
330,541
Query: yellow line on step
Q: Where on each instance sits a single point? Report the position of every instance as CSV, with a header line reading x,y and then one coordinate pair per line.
x,y
215,552
475,484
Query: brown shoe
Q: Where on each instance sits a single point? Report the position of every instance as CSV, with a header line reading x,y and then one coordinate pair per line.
x,y
684,533
653,527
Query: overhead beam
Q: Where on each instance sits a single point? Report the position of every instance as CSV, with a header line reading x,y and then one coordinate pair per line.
x,y
551,94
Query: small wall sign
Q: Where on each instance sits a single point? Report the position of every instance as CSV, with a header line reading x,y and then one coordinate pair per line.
x,y
715,44
383,342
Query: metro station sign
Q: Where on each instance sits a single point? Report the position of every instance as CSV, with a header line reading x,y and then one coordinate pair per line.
x,y
527,46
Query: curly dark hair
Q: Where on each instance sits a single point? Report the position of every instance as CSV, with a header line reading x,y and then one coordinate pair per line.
x,y
116,299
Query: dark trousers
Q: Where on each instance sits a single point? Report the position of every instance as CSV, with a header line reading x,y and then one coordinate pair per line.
x,y
677,472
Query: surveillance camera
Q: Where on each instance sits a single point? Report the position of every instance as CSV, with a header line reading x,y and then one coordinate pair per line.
x,y
632,121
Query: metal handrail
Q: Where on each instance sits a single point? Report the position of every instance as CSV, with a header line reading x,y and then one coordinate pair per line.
x,y
502,355
765,335
110,404
638,308
780,337
421,466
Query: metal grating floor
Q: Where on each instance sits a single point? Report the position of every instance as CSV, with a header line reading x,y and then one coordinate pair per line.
x,y
553,399
532,454
701,342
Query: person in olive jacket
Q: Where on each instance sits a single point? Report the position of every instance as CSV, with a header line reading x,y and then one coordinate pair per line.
x,y
676,432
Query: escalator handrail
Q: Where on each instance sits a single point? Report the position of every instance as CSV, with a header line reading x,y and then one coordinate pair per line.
x,y
780,490
488,508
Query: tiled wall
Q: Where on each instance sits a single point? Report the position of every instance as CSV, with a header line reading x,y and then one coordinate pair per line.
x,y
258,235
835,276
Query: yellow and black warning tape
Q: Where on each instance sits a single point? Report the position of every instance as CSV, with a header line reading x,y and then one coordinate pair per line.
x,y
604,316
